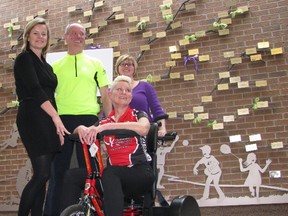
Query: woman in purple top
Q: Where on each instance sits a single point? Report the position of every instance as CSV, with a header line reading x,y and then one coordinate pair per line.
x,y
144,95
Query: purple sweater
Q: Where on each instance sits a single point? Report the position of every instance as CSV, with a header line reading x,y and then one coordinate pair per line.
x,y
145,99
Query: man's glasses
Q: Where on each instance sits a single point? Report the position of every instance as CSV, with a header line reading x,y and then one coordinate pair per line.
x,y
123,64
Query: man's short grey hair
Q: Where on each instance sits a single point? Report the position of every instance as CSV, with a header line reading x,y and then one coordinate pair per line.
x,y
67,29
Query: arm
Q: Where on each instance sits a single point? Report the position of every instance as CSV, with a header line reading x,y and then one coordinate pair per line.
x,y
173,144
268,161
27,80
81,130
195,169
141,127
214,166
89,134
242,169
60,128
157,111
107,105
103,82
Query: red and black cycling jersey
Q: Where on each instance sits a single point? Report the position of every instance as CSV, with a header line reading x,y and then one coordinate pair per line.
x,y
126,150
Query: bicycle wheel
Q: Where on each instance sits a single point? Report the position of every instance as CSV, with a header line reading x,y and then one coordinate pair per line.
x,y
78,210
184,206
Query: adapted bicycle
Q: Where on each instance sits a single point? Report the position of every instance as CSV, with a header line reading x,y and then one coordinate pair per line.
x,y
91,203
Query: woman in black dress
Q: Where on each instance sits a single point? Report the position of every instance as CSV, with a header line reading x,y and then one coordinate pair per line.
x,y
40,127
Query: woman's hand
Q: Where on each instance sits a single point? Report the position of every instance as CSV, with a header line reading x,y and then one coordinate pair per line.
x,y
60,128
82,132
162,129
91,136
61,137
162,132
87,134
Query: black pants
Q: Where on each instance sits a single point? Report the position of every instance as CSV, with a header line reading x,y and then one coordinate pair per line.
x,y
33,195
119,181
62,161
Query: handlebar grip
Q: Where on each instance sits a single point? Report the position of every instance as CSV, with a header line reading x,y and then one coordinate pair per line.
x,y
168,136
74,137
164,116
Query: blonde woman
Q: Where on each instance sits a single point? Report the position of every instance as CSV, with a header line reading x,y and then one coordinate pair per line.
x,y
39,125
128,172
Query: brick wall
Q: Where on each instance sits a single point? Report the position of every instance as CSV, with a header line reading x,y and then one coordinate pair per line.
x,y
265,21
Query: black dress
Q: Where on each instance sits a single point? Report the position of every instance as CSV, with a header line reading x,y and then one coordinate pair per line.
x,y
35,83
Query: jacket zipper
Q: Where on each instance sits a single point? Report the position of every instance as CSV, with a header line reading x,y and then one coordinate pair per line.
x,y
76,72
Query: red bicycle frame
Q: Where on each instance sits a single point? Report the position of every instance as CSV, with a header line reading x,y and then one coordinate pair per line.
x,y
91,180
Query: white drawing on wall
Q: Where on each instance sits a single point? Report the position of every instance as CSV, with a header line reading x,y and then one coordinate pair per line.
x,y
212,171
225,149
23,177
281,195
13,138
254,179
161,152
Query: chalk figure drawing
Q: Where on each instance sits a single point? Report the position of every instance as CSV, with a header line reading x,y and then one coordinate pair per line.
x,y
161,155
12,140
253,179
212,171
24,175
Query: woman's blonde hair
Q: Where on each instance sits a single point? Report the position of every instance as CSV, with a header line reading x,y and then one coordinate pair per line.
x,y
120,78
124,58
27,30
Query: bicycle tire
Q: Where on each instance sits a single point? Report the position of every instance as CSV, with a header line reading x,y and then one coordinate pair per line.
x,y
184,206
77,210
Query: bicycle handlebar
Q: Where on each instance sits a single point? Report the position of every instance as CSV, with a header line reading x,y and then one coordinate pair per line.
x,y
119,133
168,136
74,137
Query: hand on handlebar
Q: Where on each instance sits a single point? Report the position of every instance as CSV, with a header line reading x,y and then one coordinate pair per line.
x,y
161,132
87,134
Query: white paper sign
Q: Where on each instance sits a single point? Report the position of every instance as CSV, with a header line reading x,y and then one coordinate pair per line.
x,y
255,137
251,147
235,138
93,150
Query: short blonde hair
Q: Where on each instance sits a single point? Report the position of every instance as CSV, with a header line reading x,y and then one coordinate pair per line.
x,y
27,30
123,58
120,78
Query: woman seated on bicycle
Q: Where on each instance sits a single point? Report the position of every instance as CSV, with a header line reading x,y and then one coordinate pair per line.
x,y
128,172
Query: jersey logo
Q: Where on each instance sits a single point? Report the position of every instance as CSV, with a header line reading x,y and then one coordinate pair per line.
x,y
110,142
